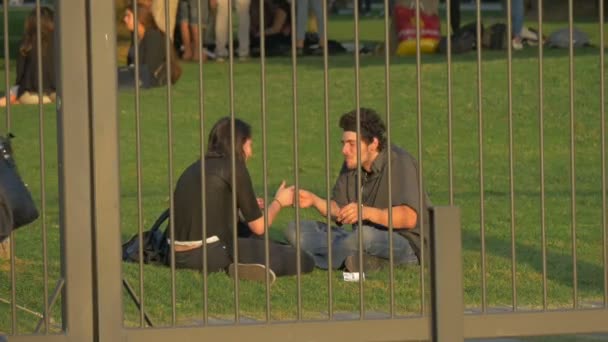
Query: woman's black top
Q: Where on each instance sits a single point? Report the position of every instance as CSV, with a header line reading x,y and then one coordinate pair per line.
x,y
27,70
152,54
218,204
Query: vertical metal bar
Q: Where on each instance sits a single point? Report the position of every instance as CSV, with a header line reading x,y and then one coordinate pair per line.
x,y
294,90
387,89
139,166
511,159
45,273
481,175
328,222
603,150
450,105
168,57
359,171
7,71
264,150
74,169
541,128
572,153
14,325
421,196
237,317
201,106
446,275
107,290
11,241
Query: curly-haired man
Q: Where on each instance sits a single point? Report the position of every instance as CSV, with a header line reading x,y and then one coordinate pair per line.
x,y
344,208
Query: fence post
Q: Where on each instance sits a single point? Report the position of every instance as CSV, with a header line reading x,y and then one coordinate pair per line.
x,y
447,321
107,303
74,158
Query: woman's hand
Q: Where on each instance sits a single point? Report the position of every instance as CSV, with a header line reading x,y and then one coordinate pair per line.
x,y
284,195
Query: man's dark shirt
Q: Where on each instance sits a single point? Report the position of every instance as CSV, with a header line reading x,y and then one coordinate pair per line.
x,y
218,190
405,189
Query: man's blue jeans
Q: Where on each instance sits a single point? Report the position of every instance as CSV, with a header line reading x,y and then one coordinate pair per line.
x,y
517,16
313,239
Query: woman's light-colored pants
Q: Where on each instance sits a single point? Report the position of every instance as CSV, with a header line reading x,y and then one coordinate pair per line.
x,y
221,27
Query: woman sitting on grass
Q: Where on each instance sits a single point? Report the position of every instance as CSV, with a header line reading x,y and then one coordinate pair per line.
x,y
26,88
151,52
219,212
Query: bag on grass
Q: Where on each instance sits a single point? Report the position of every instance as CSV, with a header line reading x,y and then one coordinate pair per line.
x,y
463,40
17,208
155,244
405,24
496,37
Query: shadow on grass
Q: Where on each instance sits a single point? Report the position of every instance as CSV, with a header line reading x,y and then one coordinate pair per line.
x,y
559,264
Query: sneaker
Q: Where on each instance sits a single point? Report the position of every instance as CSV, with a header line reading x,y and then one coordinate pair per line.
x,y
527,34
371,263
252,272
243,58
517,44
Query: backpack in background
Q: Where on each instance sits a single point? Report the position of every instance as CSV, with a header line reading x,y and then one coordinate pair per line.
x,y
17,208
463,40
496,37
155,246
405,22
561,39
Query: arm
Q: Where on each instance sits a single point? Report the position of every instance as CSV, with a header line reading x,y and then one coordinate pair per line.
x,y
404,217
283,197
308,199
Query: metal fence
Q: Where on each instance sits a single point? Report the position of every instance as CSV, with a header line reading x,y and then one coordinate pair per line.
x,y
85,292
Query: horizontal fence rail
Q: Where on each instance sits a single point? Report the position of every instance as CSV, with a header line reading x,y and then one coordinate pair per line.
x,y
515,148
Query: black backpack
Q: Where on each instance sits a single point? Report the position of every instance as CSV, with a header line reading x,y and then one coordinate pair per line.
x,y
155,246
463,40
496,37
17,208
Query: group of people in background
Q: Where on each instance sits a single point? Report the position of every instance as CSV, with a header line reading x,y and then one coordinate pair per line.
x,y
208,23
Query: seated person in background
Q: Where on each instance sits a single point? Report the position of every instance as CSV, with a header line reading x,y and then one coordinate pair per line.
x,y
375,214
277,21
219,212
26,88
151,50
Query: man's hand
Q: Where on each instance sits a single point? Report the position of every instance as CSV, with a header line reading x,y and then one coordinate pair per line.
x,y
349,214
307,198
284,195
261,203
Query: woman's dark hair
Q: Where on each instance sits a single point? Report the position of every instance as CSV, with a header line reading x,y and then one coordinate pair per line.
x,y
219,137
47,27
372,125
144,15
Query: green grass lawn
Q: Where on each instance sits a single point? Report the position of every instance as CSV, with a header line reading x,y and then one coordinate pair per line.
x,y
312,175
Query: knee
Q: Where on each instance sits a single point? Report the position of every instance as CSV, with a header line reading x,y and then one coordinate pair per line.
x,y
290,233
307,263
